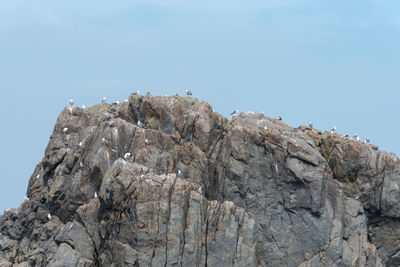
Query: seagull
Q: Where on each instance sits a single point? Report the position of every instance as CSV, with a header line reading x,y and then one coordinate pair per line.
x,y
367,140
234,112
126,101
65,130
140,124
103,100
188,92
107,116
104,141
71,102
135,93
179,173
81,164
111,123
142,176
148,141
333,129
127,156
95,194
49,216
356,137
310,124
199,190
37,176
26,198
279,118
80,144
117,102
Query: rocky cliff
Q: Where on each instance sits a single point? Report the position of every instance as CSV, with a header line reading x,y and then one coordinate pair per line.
x,y
166,181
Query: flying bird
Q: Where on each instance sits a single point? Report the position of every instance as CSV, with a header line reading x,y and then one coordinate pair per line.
x,y
188,92
234,112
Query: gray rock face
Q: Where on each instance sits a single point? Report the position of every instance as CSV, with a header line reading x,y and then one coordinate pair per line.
x,y
202,191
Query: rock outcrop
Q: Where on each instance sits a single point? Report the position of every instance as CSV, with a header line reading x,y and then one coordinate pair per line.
x,y
202,191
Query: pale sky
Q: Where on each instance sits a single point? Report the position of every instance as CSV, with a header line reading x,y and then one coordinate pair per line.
x,y
332,62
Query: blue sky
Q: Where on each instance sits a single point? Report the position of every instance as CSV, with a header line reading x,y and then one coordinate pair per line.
x,y
330,62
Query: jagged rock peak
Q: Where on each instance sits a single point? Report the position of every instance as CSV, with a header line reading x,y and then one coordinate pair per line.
x,y
166,181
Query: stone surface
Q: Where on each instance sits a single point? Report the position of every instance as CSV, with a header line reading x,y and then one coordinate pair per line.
x,y
205,191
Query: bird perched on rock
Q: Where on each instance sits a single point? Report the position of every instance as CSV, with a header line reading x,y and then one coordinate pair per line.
x,y
83,106
71,102
188,92
366,140
148,141
333,129
37,176
95,194
104,141
127,156
356,137
81,165
104,99
126,101
111,123
107,116
140,124
136,93
279,118
234,112
49,216
65,130
310,124
179,173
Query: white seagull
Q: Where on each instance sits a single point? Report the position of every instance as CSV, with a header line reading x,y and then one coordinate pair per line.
x,y
71,102
188,92
333,129
95,194
49,216
179,173
107,116
103,100
310,124
148,141
279,118
127,156
81,164
140,124
65,130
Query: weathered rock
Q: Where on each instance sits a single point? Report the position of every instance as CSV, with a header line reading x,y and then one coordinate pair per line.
x,y
202,191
